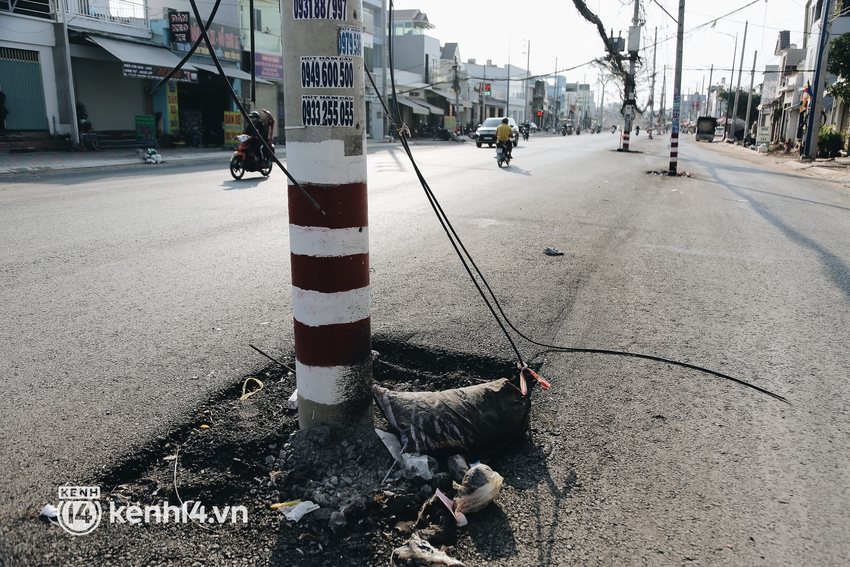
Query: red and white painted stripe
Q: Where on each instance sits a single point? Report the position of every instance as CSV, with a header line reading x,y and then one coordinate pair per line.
x,y
330,283
674,153
626,140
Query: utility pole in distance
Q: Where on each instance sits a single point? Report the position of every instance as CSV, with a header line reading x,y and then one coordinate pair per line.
x,y
326,137
634,42
677,89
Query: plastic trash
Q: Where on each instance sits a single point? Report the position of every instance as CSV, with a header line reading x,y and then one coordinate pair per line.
x,y
298,511
412,464
476,420
418,551
479,487
49,511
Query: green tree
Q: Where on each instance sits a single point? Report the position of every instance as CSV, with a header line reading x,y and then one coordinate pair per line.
x,y
839,65
724,95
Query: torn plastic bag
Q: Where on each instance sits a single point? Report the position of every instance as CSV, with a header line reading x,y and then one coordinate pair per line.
x,y
480,486
476,420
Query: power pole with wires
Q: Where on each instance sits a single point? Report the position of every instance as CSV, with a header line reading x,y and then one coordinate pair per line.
x,y
633,47
677,89
325,115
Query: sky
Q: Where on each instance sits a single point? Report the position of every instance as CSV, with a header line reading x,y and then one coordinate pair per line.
x,y
553,29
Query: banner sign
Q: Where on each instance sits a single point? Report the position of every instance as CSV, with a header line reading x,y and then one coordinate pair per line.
x,y
224,39
268,67
145,130
139,71
173,110
232,128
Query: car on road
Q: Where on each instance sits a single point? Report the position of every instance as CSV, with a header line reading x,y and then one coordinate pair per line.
x,y
486,133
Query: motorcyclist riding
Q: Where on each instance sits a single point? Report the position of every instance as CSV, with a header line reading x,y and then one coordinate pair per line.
x,y
256,144
503,137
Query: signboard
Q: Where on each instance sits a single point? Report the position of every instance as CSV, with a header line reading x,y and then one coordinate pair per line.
x,y
763,136
319,9
327,72
232,128
268,66
323,110
145,130
224,39
178,25
351,41
173,110
449,123
140,71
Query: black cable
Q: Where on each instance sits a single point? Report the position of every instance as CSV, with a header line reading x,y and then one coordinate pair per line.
x,y
458,245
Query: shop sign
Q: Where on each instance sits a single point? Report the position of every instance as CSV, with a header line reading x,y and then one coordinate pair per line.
x,y
268,66
178,25
173,109
232,128
224,39
145,130
139,71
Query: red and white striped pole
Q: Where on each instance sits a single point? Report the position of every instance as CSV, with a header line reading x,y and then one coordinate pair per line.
x,y
325,151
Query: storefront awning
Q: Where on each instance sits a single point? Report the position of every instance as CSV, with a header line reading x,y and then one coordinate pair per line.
x,y
231,72
140,53
413,106
431,108
142,61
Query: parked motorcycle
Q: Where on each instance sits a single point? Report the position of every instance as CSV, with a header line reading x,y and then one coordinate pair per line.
x,y
244,160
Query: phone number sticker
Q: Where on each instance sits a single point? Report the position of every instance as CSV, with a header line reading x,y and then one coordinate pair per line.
x,y
327,72
327,110
351,41
319,9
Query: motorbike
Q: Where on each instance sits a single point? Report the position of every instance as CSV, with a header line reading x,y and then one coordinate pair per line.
x,y
502,158
578,130
524,130
244,160
614,129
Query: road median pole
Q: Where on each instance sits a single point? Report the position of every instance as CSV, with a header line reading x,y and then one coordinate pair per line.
x,y
324,105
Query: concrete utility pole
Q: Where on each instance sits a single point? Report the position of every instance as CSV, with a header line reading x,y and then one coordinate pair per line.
x,y
385,42
729,93
811,143
652,86
661,114
677,88
708,92
325,116
738,87
750,97
630,86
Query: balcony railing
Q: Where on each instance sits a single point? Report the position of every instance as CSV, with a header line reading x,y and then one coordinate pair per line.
x,y
124,12
33,8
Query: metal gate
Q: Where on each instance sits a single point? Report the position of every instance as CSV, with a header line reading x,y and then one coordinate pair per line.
x,y
20,81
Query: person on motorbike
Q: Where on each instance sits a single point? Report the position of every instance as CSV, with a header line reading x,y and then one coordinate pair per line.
x,y
255,144
503,137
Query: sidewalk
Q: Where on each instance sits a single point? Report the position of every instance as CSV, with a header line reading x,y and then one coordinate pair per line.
x,y
11,163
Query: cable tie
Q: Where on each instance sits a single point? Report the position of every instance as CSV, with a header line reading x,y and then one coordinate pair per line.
x,y
523,368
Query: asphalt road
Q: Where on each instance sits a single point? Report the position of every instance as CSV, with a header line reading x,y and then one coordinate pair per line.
x,y
130,295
